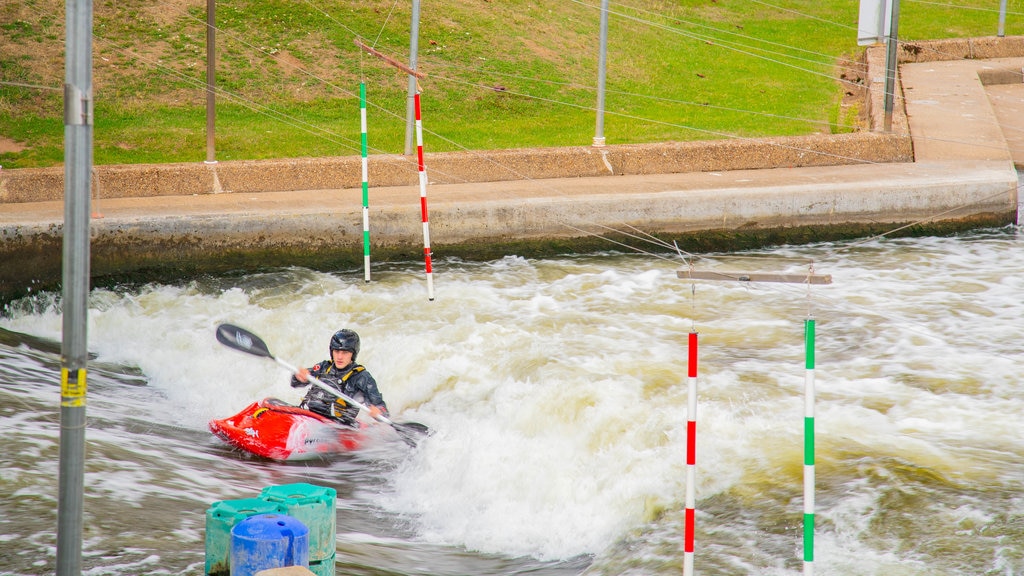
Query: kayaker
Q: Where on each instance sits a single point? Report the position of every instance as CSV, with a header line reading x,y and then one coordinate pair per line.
x,y
341,372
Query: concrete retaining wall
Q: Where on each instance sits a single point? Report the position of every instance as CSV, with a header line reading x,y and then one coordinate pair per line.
x,y
125,181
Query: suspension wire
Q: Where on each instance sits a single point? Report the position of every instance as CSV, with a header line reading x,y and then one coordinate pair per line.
x,y
829,59
613,241
717,133
526,95
781,288
810,273
789,291
312,129
654,239
930,218
690,262
355,34
347,92
803,14
959,7
693,285
720,43
32,86
384,25
319,131
250,104
576,86
331,18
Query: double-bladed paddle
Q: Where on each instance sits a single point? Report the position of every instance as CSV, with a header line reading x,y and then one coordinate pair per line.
x,y
245,341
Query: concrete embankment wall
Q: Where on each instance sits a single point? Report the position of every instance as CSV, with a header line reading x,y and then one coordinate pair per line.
x,y
334,173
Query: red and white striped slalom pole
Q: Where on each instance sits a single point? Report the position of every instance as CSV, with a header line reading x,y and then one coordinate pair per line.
x,y
423,199
691,457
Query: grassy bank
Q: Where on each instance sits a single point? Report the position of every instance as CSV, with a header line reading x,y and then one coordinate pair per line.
x,y
501,73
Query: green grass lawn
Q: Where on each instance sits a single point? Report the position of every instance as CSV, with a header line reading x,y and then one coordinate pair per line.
x,y
501,73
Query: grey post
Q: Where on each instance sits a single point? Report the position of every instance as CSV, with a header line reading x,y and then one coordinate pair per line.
x,y
410,108
1002,19
211,78
601,69
78,125
891,64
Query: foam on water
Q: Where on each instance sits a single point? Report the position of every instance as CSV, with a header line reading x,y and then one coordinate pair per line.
x,y
557,393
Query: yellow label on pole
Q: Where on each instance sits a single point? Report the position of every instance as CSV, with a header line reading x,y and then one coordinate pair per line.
x,y
72,392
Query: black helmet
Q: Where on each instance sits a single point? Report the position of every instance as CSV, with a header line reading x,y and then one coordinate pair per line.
x,y
346,339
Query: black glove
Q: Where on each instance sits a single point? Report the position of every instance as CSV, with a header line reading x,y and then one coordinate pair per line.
x,y
319,406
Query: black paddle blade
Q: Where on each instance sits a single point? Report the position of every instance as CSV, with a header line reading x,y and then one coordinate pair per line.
x,y
411,432
242,340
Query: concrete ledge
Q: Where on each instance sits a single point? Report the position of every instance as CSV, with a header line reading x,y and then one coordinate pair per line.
x,y
133,181
138,241
981,48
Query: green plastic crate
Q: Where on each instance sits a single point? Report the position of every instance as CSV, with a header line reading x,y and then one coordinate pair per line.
x,y
323,567
314,506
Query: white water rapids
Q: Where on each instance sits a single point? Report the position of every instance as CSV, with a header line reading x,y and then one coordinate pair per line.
x,y
556,390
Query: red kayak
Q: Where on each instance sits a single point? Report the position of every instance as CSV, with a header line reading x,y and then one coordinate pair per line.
x,y
275,429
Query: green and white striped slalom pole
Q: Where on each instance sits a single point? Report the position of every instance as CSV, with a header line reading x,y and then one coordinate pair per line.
x,y
809,448
366,183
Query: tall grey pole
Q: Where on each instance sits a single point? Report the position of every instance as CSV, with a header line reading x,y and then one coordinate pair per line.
x,y
602,62
1002,19
410,108
890,64
211,79
78,123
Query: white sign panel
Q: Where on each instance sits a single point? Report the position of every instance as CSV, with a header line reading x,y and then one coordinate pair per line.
x,y
873,26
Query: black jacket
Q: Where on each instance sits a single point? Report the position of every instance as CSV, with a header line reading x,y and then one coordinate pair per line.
x,y
353,380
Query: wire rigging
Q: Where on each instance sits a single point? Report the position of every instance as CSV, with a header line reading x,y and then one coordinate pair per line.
x,y
353,145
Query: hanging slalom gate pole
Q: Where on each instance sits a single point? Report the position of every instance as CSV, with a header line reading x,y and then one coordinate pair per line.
x,y
808,279
423,200
419,152
366,183
809,448
691,457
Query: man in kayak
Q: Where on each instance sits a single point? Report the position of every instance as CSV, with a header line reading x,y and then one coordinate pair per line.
x,y
341,372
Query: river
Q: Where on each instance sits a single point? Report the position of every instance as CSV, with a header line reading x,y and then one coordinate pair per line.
x,y
557,393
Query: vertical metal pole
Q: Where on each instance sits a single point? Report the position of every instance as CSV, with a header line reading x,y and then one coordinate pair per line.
x,y
891,63
1002,19
410,108
78,141
602,62
364,145
211,78
809,448
691,458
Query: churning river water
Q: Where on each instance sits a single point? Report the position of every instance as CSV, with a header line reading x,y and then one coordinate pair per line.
x,y
557,393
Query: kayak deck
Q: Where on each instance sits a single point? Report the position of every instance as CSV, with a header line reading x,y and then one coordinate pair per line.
x,y
277,430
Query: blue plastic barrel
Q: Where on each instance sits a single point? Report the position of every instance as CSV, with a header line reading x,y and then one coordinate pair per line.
x,y
268,541
221,517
